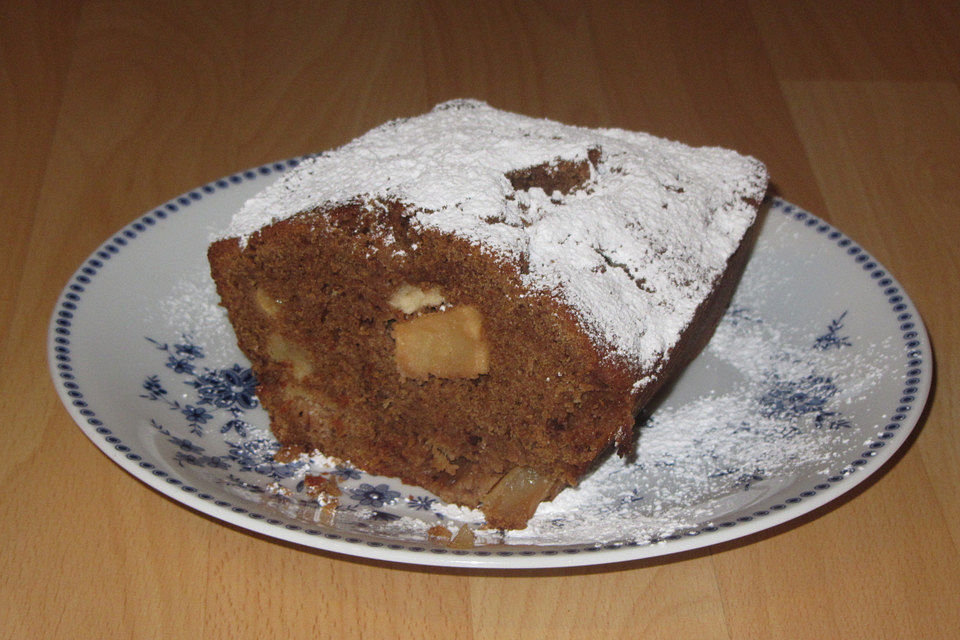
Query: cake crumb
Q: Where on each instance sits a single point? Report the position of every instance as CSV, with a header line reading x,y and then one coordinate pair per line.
x,y
321,485
328,512
278,489
464,538
439,533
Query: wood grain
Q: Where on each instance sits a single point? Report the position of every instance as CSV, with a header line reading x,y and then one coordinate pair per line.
x,y
107,108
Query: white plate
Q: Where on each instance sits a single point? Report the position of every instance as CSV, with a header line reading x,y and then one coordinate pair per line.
x,y
814,379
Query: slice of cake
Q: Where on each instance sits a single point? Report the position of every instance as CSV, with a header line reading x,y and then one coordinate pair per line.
x,y
479,302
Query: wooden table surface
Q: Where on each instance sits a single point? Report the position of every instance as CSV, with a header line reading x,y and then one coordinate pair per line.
x,y
109,108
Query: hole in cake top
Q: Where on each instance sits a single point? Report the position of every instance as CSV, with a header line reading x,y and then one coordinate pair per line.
x,y
565,176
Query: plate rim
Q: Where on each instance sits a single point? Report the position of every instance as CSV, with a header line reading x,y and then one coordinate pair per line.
x,y
873,460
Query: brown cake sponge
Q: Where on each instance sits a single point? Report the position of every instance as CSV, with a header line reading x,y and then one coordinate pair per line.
x,y
485,347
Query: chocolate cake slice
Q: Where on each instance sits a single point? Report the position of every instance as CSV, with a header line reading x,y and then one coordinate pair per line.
x,y
479,302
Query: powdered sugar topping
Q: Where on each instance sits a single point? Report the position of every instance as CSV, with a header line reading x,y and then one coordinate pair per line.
x,y
633,248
